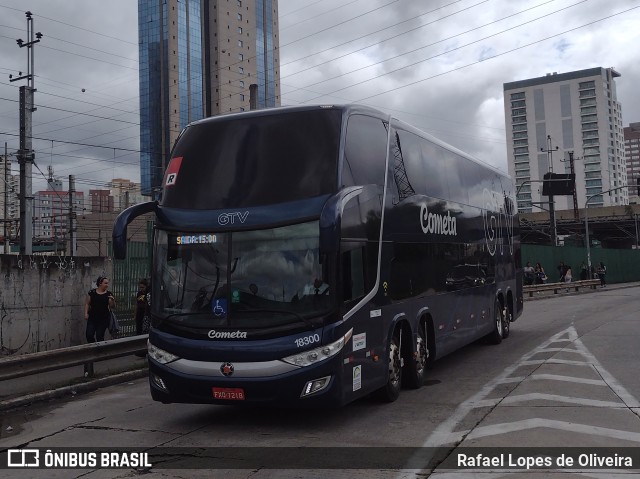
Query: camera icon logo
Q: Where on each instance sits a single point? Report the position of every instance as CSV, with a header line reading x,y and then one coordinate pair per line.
x,y
23,458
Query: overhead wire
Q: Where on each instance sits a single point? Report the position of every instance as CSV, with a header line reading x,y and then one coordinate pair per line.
x,y
430,77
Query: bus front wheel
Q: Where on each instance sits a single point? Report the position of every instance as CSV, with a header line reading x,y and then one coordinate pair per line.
x,y
391,391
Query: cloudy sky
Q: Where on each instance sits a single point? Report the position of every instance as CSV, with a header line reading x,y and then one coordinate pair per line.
x,y
438,64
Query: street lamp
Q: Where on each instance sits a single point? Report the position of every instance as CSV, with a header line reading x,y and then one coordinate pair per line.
x,y
586,221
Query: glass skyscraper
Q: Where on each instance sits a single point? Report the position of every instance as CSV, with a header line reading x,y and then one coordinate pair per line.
x,y
199,58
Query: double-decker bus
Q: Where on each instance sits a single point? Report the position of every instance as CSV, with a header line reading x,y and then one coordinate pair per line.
x,y
313,255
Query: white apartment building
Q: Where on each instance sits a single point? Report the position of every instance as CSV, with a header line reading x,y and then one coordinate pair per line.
x,y
579,112
632,153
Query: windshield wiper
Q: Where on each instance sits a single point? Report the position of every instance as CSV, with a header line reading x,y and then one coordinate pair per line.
x,y
298,316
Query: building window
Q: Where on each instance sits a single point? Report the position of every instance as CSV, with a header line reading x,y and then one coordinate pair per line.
x,y
240,16
517,96
239,3
240,56
240,69
241,83
239,29
241,97
240,43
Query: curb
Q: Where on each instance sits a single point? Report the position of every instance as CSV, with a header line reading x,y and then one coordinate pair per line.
x,y
74,389
561,294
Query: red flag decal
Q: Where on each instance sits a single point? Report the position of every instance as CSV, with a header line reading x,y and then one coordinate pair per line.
x,y
171,175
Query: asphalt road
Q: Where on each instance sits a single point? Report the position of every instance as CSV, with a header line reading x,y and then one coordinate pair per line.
x,y
568,376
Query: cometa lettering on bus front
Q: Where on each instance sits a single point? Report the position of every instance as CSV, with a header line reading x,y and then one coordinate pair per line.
x,y
213,334
437,224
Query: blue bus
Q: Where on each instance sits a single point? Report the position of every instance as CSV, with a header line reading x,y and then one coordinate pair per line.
x,y
314,255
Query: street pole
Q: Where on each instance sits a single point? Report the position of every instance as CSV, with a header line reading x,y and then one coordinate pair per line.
x,y
552,210
6,199
575,194
72,218
25,154
586,222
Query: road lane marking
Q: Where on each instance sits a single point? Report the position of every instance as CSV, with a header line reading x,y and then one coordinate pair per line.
x,y
536,423
446,432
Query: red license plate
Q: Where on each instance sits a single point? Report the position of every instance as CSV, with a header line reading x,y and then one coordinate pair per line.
x,y
230,394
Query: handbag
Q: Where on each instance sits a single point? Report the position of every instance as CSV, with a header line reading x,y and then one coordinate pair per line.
x,y
114,326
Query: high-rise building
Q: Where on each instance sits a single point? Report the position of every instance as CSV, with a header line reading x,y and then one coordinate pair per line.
x,y
632,153
550,116
9,198
125,193
51,213
199,58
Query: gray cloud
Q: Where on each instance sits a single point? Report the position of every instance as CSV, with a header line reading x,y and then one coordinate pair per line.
x,y
445,75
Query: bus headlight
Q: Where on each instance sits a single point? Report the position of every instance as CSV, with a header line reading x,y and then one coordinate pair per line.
x,y
314,356
160,355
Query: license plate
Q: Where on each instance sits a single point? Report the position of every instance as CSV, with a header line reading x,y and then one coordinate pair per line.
x,y
230,394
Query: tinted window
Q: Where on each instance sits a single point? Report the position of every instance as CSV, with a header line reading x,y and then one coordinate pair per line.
x,y
256,160
436,171
365,151
407,162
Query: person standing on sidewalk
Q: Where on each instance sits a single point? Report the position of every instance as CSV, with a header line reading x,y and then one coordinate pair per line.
x,y
97,310
602,274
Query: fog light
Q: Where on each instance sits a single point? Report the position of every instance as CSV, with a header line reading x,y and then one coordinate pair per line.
x,y
314,386
157,380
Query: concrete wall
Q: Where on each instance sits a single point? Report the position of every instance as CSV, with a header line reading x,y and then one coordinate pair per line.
x,y
42,298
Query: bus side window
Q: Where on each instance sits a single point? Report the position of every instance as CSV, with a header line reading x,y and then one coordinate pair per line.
x,y
364,152
353,268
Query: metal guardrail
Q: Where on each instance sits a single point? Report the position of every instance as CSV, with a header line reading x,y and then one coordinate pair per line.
x,y
35,363
536,288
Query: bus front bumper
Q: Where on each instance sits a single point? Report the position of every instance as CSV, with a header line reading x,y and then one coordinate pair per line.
x,y
217,383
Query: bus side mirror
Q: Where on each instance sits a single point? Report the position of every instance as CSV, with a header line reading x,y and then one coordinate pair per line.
x,y
120,226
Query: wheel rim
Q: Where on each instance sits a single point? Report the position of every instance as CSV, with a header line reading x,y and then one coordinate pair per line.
x,y
423,354
394,364
507,320
499,320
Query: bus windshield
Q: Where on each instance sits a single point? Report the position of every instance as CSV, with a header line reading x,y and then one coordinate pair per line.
x,y
250,279
255,160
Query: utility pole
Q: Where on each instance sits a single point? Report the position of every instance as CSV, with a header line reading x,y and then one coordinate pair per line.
x,y
72,218
552,211
575,194
26,154
6,199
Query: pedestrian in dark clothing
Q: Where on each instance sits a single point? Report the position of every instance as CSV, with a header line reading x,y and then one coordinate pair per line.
x,y
584,273
562,269
602,274
97,310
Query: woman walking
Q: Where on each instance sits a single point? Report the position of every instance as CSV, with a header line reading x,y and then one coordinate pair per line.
x,y
96,310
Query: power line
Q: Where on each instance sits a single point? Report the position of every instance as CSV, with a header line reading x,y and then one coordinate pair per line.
x,y
503,53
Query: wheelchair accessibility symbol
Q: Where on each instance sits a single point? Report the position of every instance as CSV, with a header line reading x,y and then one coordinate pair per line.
x,y
219,308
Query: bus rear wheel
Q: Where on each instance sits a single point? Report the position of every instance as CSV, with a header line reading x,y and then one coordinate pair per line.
x,y
391,391
416,366
506,322
495,337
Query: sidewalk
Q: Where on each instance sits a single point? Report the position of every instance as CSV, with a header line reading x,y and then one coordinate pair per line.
x,y
572,292
70,381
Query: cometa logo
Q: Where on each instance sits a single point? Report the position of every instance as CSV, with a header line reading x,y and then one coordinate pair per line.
x,y
213,334
437,224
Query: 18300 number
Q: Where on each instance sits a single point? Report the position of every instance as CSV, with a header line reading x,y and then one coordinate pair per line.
x,y
307,340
